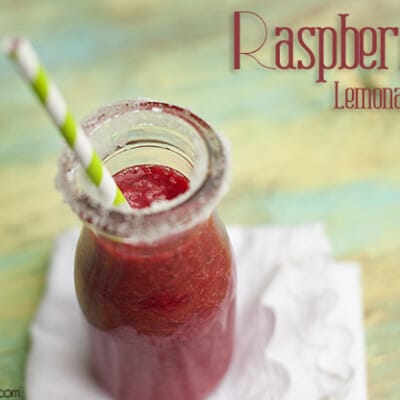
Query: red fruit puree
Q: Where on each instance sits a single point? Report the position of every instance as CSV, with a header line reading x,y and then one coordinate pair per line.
x,y
160,315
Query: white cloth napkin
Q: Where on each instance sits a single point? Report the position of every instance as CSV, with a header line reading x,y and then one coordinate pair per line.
x,y
299,323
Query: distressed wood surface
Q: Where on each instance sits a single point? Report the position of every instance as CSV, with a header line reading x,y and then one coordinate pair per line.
x,y
295,160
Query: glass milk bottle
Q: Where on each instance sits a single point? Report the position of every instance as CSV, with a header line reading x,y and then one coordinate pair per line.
x,y
156,284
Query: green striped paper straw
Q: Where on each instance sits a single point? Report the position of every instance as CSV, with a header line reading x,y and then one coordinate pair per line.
x,y
22,53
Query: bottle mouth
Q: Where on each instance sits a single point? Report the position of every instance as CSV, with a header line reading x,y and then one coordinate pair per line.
x,y
137,132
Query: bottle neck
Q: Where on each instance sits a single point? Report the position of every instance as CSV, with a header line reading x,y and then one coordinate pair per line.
x,y
162,245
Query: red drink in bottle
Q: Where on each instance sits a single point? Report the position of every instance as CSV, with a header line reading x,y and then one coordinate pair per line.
x,y
157,287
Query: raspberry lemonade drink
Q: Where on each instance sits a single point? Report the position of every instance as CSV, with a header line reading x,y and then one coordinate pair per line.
x,y
156,283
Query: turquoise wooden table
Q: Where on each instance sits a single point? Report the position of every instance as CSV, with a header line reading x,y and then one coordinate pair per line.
x,y
295,160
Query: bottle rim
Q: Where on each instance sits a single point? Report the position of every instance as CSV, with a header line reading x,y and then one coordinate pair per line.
x,y
209,183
